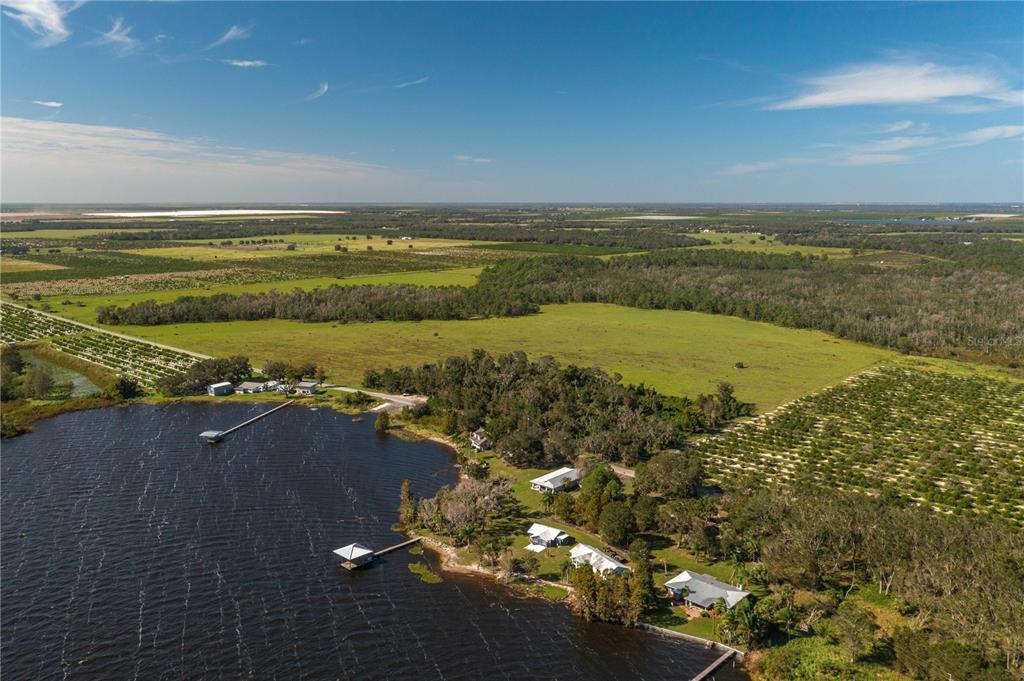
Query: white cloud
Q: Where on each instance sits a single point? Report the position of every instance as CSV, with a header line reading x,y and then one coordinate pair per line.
x,y
471,159
858,159
989,134
53,161
45,18
235,32
50,104
245,63
118,37
880,151
898,126
317,94
410,83
898,144
899,82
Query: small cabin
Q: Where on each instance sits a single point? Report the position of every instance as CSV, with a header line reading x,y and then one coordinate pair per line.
x,y
354,555
219,389
480,440
556,481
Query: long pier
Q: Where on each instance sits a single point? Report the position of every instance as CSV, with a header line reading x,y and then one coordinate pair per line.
x,y
218,435
401,545
713,667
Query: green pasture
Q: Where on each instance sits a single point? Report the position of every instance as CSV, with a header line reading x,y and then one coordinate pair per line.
x,y
752,243
680,353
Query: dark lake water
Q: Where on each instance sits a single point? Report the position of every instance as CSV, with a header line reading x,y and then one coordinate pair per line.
x,y
131,550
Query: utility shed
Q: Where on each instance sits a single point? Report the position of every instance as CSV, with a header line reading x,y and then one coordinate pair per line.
x,y
219,389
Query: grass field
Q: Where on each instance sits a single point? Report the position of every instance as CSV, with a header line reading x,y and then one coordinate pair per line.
x,y
15,265
65,233
305,244
680,353
741,241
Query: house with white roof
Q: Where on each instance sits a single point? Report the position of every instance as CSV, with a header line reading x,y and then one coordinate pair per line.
x,y
355,555
703,591
542,535
600,562
556,481
219,389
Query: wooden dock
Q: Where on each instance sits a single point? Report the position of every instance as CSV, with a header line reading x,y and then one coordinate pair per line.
x,y
713,667
401,545
212,436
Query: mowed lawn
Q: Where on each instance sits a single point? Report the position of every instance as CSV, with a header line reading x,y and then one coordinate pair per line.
x,y
680,353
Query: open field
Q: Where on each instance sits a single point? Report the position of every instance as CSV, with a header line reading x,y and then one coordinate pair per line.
x,y
17,265
680,353
66,233
83,308
952,442
753,243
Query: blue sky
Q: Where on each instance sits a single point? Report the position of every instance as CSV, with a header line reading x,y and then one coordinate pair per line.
x,y
717,102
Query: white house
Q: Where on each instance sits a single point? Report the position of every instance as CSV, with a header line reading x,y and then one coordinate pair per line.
x,y
249,387
703,591
219,389
542,535
556,481
356,554
602,563
480,440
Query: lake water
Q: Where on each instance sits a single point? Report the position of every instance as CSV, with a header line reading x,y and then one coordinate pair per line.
x,y
131,550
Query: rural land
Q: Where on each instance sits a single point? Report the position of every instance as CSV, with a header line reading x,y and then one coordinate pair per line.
x,y
795,432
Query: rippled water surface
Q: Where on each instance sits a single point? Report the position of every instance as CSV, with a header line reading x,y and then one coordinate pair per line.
x,y
131,550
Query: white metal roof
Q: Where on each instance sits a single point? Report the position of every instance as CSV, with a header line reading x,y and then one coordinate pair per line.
x,y
549,479
546,533
600,561
353,551
221,384
705,590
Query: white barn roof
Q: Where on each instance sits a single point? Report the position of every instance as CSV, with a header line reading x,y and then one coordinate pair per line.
x,y
548,534
353,551
705,590
599,561
555,479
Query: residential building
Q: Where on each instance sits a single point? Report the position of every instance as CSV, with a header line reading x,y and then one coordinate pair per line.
x,y
556,481
703,591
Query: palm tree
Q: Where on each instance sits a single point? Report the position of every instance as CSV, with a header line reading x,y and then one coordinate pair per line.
x,y
547,500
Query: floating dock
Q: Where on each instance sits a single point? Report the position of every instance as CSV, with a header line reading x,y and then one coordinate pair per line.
x,y
213,436
357,555
713,667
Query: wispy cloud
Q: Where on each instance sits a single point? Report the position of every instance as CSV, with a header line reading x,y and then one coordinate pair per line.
x,y
245,63
989,134
464,158
45,18
410,83
900,82
49,104
884,151
70,161
898,126
234,33
317,94
118,37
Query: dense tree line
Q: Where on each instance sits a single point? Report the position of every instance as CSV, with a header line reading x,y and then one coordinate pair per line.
x,y
540,413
